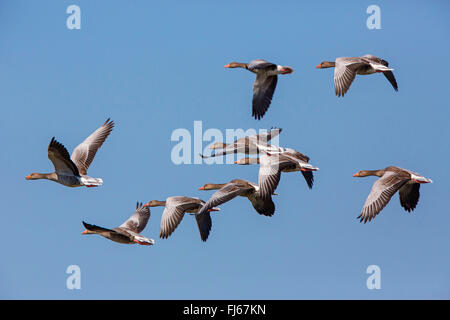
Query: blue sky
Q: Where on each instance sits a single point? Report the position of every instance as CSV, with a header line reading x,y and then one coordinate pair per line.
x,y
154,68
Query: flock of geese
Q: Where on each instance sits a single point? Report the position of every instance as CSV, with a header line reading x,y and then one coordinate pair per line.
x,y
71,170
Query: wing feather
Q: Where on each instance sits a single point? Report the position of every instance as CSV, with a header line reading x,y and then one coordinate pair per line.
x,y
84,153
409,195
60,158
263,90
174,212
138,220
382,191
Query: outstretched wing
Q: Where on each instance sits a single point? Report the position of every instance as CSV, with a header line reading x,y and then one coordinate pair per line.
x,y
309,178
263,90
388,74
204,224
409,195
226,193
174,211
344,74
60,158
270,168
264,206
382,191
269,174
94,228
302,161
85,152
138,219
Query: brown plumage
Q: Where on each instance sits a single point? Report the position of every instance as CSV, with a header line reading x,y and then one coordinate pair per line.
x,y
346,69
228,191
129,231
174,211
392,179
71,171
265,83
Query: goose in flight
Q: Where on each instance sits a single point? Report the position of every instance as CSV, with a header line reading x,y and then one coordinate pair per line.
x,y
346,69
246,145
265,83
392,179
174,210
71,171
237,187
129,231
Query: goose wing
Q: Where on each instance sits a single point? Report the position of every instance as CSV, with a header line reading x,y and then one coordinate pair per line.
x,y
409,195
174,212
388,74
382,191
263,90
228,192
60,158
270,168
204,224
345,73
302,160
94,228
138,220
263,206
85,152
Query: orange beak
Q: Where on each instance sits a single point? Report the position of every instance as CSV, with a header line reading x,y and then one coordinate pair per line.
x,y
227,66
201,188
85,232
356,174
147,204
28,177
319,66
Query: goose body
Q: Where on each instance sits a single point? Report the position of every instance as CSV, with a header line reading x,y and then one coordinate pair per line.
x,y
71,171
174,210
129,231
346,69
265,83
391,180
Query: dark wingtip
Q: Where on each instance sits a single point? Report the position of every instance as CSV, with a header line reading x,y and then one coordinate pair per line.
x,y
360,218
109,123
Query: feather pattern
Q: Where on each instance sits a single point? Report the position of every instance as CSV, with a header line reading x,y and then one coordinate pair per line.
x,y
84,153
138,220
238,187
392,179
174,211
60,158
346,69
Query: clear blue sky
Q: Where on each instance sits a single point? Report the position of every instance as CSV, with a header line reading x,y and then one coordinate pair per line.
x,y
154,68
